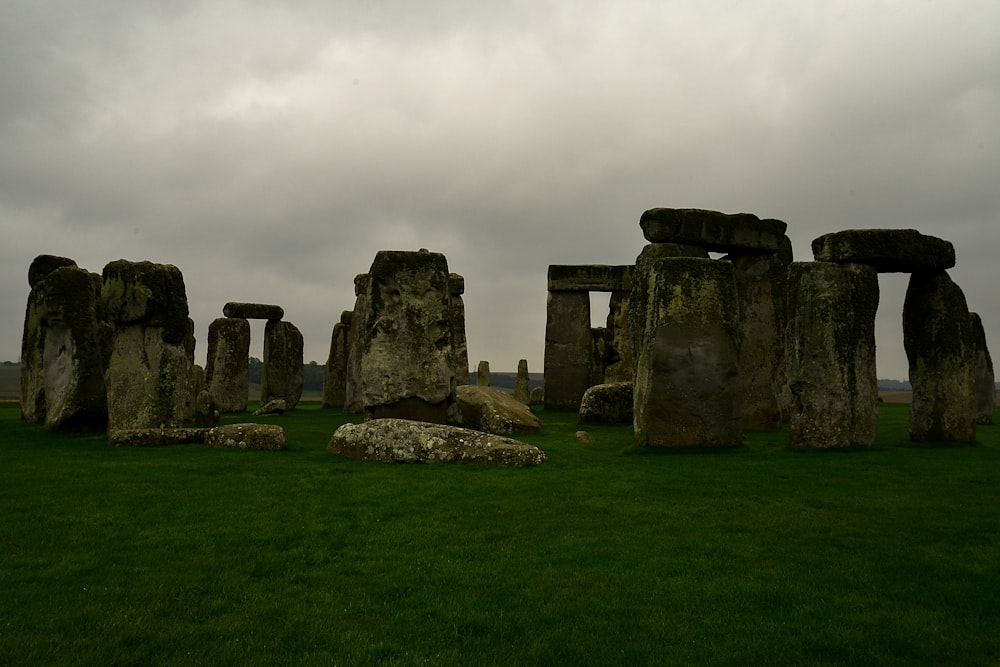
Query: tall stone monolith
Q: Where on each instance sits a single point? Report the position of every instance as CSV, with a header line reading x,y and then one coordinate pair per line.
x,y
760,284
353,396
408,359
459,338
227,373
149,368
522,383
687,389
830,354
483,374
335,372
986,389
64,348
939,341
281,374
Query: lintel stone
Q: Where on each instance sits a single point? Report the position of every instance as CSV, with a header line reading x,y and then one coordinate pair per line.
x,y
886,250
589,278
253,311
711,230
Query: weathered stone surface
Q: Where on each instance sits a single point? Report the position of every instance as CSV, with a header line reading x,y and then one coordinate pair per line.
x,y
353,396
589,278
408,358
253,311
156,437
610,403
537,396
986,390
491,410
887,250
149,368
247,436
618,362
522,383
687,388
638,296
227,373
43,265
569,349
940,349
483,374
830,354
281,374
64,348
205,413
335,372
711,230
760,284
584,437
406,441
459,339
275,406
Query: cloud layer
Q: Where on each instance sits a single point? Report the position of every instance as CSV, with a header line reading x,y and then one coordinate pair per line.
x,y
270,151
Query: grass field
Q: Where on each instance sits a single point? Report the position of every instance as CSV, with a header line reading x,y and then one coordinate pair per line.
x,y
602,555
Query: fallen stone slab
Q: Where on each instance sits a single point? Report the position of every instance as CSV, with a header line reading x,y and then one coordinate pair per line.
x,y
253,311
711,230
491,410
406,441
886,250
275,406
607,404
156,437
247,436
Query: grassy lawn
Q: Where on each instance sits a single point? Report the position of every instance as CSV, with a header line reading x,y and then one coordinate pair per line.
x,y
603,555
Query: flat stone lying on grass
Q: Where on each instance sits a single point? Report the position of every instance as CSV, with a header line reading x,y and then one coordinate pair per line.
x,y
491,410
607,403
156,437
407,441
247,436
273,407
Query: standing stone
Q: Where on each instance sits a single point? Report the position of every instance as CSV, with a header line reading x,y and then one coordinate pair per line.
x,y
148,372
760,283
938,337
281,374
335,372
483,374
64,348
227,372
830,354
986,389
457,284
353,396
537,396
687,387
569,357
522,384
407,365
619,362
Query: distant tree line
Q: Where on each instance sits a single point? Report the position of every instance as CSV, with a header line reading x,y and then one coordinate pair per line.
x,y
312,374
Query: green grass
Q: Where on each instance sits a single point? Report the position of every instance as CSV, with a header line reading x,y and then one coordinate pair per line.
x,y
603,555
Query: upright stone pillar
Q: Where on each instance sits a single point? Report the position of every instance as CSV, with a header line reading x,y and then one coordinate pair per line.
x,y
149,368
335,372
830,354
227,374
619,364
483,374
353,396
522,384
64,348
408,361
687,388
457,285
281,374
568,349
760,283
986,389
938,337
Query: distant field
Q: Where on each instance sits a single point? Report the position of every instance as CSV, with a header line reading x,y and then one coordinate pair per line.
x,y
10,383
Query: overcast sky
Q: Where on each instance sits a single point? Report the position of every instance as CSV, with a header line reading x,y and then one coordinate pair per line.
x,y
270,149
